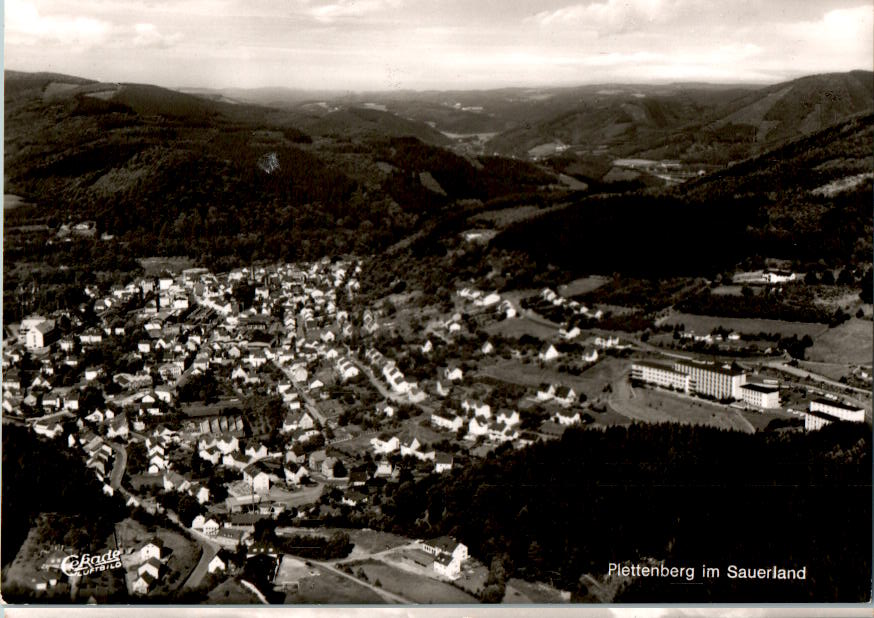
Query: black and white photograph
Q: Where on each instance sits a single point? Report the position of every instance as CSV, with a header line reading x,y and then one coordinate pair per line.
x,y
557,305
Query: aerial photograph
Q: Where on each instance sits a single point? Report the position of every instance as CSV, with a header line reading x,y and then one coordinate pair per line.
x,y
402,302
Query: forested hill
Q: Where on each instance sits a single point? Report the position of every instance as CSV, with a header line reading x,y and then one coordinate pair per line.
x,y
806,201
561,509
169,173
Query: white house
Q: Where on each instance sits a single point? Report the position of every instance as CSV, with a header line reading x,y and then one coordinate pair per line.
x,y
216,564
548,353
152,549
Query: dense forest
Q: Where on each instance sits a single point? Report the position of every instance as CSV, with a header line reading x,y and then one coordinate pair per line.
x,y
557,510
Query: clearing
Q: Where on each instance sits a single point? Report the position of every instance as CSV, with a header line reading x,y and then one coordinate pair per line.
x,y
851,342
655,406
416,588
329,588
702,324
583,285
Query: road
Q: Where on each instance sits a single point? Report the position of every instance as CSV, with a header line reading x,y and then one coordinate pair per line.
x,y
119,466
804,373
210,549
309,402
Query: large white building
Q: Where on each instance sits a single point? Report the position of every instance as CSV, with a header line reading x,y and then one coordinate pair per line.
x,y
760,395
713,380
692,377
660,375
825,411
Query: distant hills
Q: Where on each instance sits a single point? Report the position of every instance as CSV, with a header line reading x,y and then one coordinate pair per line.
x,y
183,173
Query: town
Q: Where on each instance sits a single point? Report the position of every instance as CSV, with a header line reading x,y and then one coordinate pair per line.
x,y
259,411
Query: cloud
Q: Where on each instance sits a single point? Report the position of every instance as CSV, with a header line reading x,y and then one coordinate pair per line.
x,y
147,35
351,8
610,16
25,23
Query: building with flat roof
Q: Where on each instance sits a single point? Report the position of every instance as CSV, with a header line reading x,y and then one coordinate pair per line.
x,y
760,395
660,375
824,411
717,381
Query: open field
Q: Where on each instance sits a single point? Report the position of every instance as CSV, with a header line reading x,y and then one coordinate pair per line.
x,y
534,593
231,592
851,342
702,324
416,588
760,418
330,588
655,406
582,285
591,382
156,265
516,327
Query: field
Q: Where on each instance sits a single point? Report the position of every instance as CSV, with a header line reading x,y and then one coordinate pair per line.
x,y
231,592
851,342
416,588
655,406
519,589
582,285
702,324
591,382
516,327
330,588
156,265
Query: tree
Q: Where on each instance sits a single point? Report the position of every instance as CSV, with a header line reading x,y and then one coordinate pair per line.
x,y
828,277
339,469
846,277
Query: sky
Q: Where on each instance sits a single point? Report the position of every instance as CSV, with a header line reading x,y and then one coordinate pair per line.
x,y
359,45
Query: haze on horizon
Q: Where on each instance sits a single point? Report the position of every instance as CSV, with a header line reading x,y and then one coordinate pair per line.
x,y
452,44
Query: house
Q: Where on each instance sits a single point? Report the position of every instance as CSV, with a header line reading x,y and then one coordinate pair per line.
x,y
118,427
152,549
143,583
442,462
606,342
565,395
256,451
256,477
152,566
566,417
218,563
448,555
479,409
294,473
508,418
385,444
211,527
40,335
453,374
453,423
383,468
487,348
569,334
590,355
49,429
475,428
548,353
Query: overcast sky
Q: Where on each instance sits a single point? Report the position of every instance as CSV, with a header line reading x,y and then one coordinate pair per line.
x,y
421,44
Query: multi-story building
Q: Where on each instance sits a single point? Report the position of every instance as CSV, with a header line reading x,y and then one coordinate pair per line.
x,y
660,375
760,395
825,411
713,380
